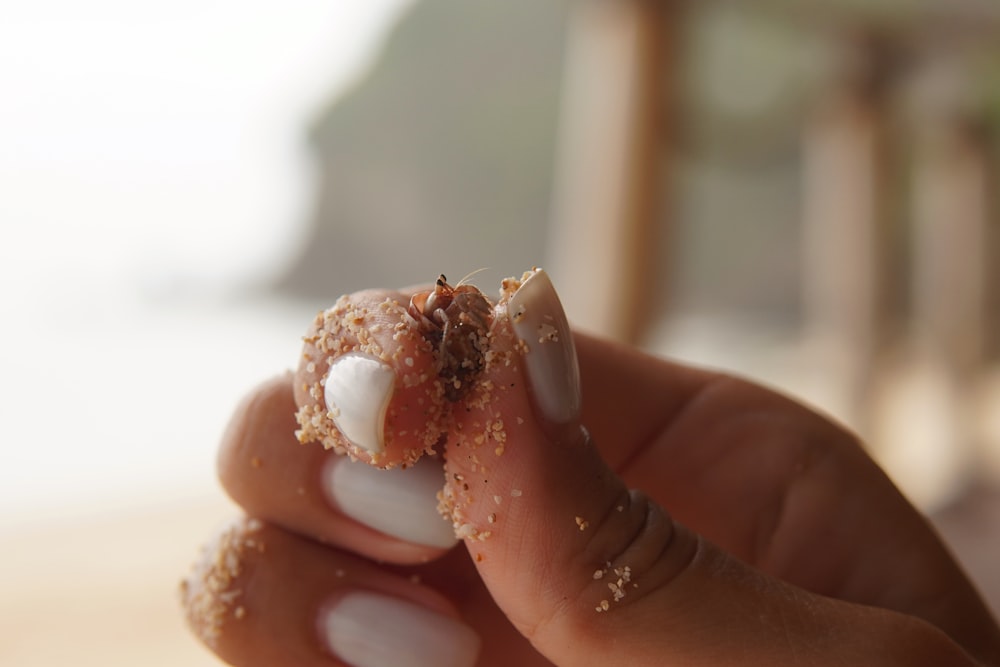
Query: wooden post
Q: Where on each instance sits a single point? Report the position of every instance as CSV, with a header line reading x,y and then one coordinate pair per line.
x,y
846,272
950,207
620,71
951,202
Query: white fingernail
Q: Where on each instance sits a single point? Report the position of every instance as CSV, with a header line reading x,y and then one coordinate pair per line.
x,y
373,630
397,502
358,389
539,321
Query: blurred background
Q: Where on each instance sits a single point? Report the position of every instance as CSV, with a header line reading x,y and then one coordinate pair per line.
x,y
803,192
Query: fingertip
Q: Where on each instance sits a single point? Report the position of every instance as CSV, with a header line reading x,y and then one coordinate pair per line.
x,y
265,412
386,515
259,595
213,594
365,385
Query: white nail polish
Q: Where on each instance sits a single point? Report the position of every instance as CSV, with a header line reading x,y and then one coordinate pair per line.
x,y
357,393
538,319
373,630
397,502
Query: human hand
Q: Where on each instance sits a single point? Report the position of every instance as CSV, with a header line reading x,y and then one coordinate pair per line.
x,y
784,544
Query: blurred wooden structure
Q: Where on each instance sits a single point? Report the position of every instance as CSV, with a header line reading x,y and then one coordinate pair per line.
x,y
616,113
868,283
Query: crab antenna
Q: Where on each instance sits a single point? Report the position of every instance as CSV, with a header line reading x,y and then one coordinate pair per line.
x,y
469,275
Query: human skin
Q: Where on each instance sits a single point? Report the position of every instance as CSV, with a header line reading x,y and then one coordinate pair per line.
x,y
757,532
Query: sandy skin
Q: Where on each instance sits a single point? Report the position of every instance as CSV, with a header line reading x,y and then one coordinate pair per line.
x,y
445,391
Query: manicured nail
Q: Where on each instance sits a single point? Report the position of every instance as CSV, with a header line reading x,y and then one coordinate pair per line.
x,y
397,502
358,389
550,360
372,630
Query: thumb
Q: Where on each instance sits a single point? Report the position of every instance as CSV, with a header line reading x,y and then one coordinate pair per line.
x,y
593,573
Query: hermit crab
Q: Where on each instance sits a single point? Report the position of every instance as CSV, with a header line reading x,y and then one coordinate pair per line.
x,y
382,375
456,320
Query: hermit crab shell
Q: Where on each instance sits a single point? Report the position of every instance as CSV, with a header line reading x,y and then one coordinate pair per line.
x,y
457,321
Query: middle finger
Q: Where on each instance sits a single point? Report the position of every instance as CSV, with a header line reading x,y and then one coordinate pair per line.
x,y
386,515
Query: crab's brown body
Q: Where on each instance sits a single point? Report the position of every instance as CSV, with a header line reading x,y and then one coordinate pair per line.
x,y
456,320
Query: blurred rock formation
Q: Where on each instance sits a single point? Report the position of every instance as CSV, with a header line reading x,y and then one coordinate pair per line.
x,y
440,160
